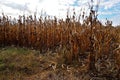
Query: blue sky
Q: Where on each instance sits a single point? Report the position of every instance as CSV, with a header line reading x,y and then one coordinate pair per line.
x,y
109,9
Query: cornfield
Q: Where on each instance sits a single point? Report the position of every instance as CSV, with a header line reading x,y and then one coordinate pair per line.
x,y
80,40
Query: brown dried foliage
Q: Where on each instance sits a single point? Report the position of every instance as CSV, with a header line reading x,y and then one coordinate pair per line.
x,y
71,35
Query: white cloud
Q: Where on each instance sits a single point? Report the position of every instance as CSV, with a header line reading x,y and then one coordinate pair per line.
x,y
51,7
109,3
55,7
66,2
116,20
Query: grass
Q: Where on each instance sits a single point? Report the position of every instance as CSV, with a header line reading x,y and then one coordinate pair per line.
x,y
17,61
25,64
